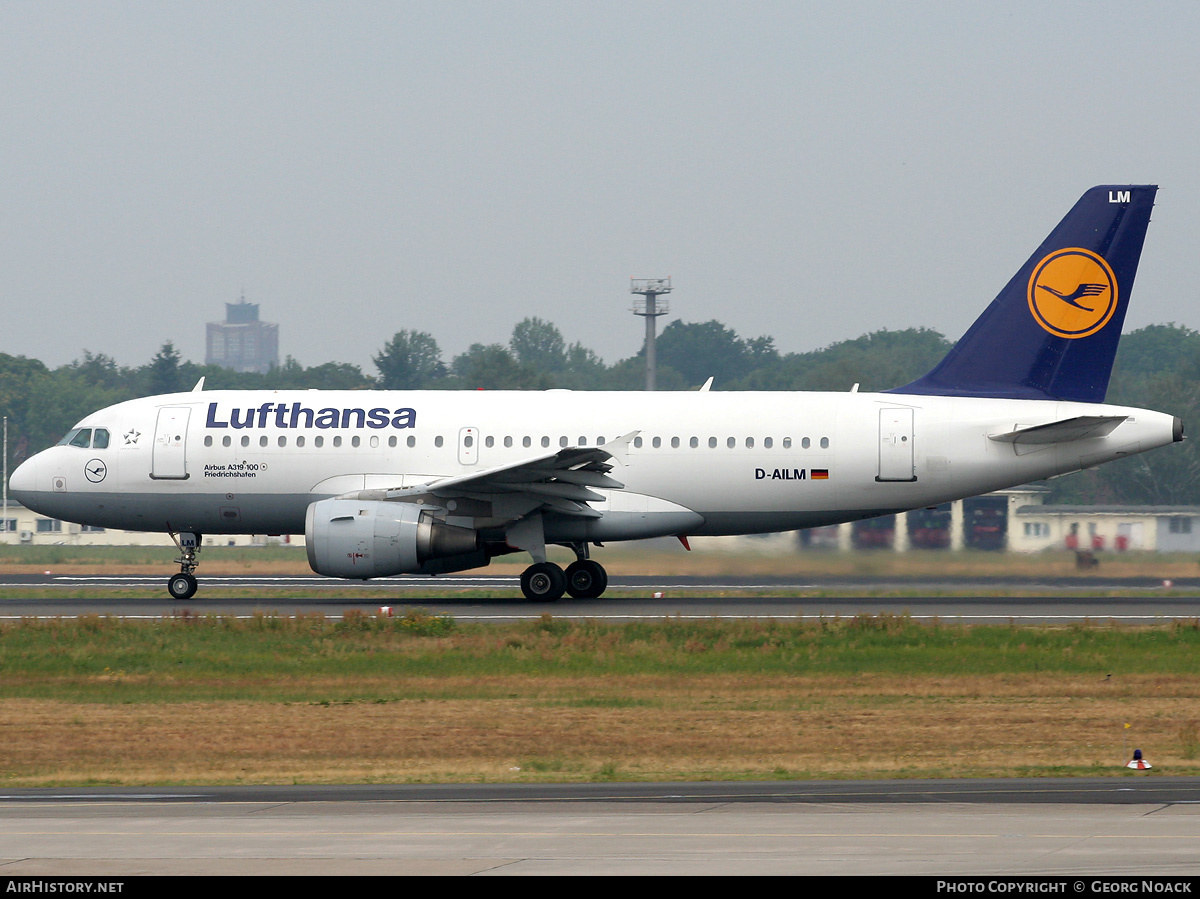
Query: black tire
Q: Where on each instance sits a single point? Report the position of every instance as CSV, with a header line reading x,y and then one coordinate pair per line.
x,y
586,579
182,586
543,582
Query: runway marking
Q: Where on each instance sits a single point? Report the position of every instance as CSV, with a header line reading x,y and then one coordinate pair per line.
x,y
659,834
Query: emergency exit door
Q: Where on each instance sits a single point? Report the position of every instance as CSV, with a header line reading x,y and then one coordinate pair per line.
x,y
468,446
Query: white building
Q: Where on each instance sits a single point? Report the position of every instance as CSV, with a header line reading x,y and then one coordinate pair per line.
x,y
1106,528
28,528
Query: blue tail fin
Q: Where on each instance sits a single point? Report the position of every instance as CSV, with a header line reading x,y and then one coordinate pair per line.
x,y
1052,332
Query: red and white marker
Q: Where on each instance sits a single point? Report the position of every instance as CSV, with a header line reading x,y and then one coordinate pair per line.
x,y
1137,762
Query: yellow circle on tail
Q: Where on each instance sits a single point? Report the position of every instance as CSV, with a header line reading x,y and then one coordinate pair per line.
x,y
1072,292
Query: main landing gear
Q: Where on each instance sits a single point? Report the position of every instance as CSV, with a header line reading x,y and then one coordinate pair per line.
x,y
583,579
183,585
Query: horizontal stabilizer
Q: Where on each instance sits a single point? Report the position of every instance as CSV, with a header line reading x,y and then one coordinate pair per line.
x,y
1082,427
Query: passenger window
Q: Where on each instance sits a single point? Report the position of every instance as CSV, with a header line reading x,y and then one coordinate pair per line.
x,y
507,442
805,443
208,439
226,441
300,440
282,441
412,441
824,443
245,440
768,442
337,441
262,441
712,442
656,442
694,442
437,441
391,441
731,442
674,443
787,442
355,440
319,441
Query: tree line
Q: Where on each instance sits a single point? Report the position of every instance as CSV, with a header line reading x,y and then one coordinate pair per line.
x,y
1157,367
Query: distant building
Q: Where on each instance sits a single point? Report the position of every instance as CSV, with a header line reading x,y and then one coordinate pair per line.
x,y
242,342
1155,528
22,526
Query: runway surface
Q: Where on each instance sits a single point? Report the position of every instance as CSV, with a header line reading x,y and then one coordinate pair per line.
x,y
1074,829
1141,600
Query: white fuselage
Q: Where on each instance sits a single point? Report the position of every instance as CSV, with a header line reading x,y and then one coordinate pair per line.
x,y
701,462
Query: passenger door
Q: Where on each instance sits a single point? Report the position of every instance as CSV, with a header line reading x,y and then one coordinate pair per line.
x,y
896,445
168,458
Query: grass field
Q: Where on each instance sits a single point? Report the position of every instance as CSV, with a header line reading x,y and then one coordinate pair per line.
x,y
420,698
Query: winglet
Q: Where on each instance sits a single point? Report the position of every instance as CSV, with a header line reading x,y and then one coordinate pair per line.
x,y
619,448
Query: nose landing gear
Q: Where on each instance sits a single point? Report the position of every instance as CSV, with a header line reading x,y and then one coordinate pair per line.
x,y
184,584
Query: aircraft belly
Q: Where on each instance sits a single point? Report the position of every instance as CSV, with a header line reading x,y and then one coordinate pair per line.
x,y
204,513
725,523
615,526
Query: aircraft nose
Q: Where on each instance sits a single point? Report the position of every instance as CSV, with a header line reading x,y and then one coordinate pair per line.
x,y
22,483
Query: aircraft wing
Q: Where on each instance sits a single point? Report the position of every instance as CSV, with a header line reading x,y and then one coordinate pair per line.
x,y
558,481
1079,428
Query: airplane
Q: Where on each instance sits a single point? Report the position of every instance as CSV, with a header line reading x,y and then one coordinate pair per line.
x,y
384,483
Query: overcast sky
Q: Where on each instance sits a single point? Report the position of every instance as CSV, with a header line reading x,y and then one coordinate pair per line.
x,y
809,171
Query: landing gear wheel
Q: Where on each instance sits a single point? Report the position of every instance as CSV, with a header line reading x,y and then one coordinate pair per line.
x,y
543,582
586,579
182,586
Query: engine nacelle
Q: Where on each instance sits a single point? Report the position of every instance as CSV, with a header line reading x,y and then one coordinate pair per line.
x,y
365,538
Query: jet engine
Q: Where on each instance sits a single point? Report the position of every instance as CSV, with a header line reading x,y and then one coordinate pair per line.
x,y
365,538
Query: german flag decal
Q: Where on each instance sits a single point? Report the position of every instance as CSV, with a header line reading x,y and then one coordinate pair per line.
x,y
820,474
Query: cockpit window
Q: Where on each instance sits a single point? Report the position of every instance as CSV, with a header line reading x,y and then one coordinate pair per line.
x,y
83,437
100,438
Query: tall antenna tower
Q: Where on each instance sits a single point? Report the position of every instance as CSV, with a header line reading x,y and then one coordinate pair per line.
x,y
649,307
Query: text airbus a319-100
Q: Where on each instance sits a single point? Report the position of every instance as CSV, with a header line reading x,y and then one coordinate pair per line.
x,y
393,482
